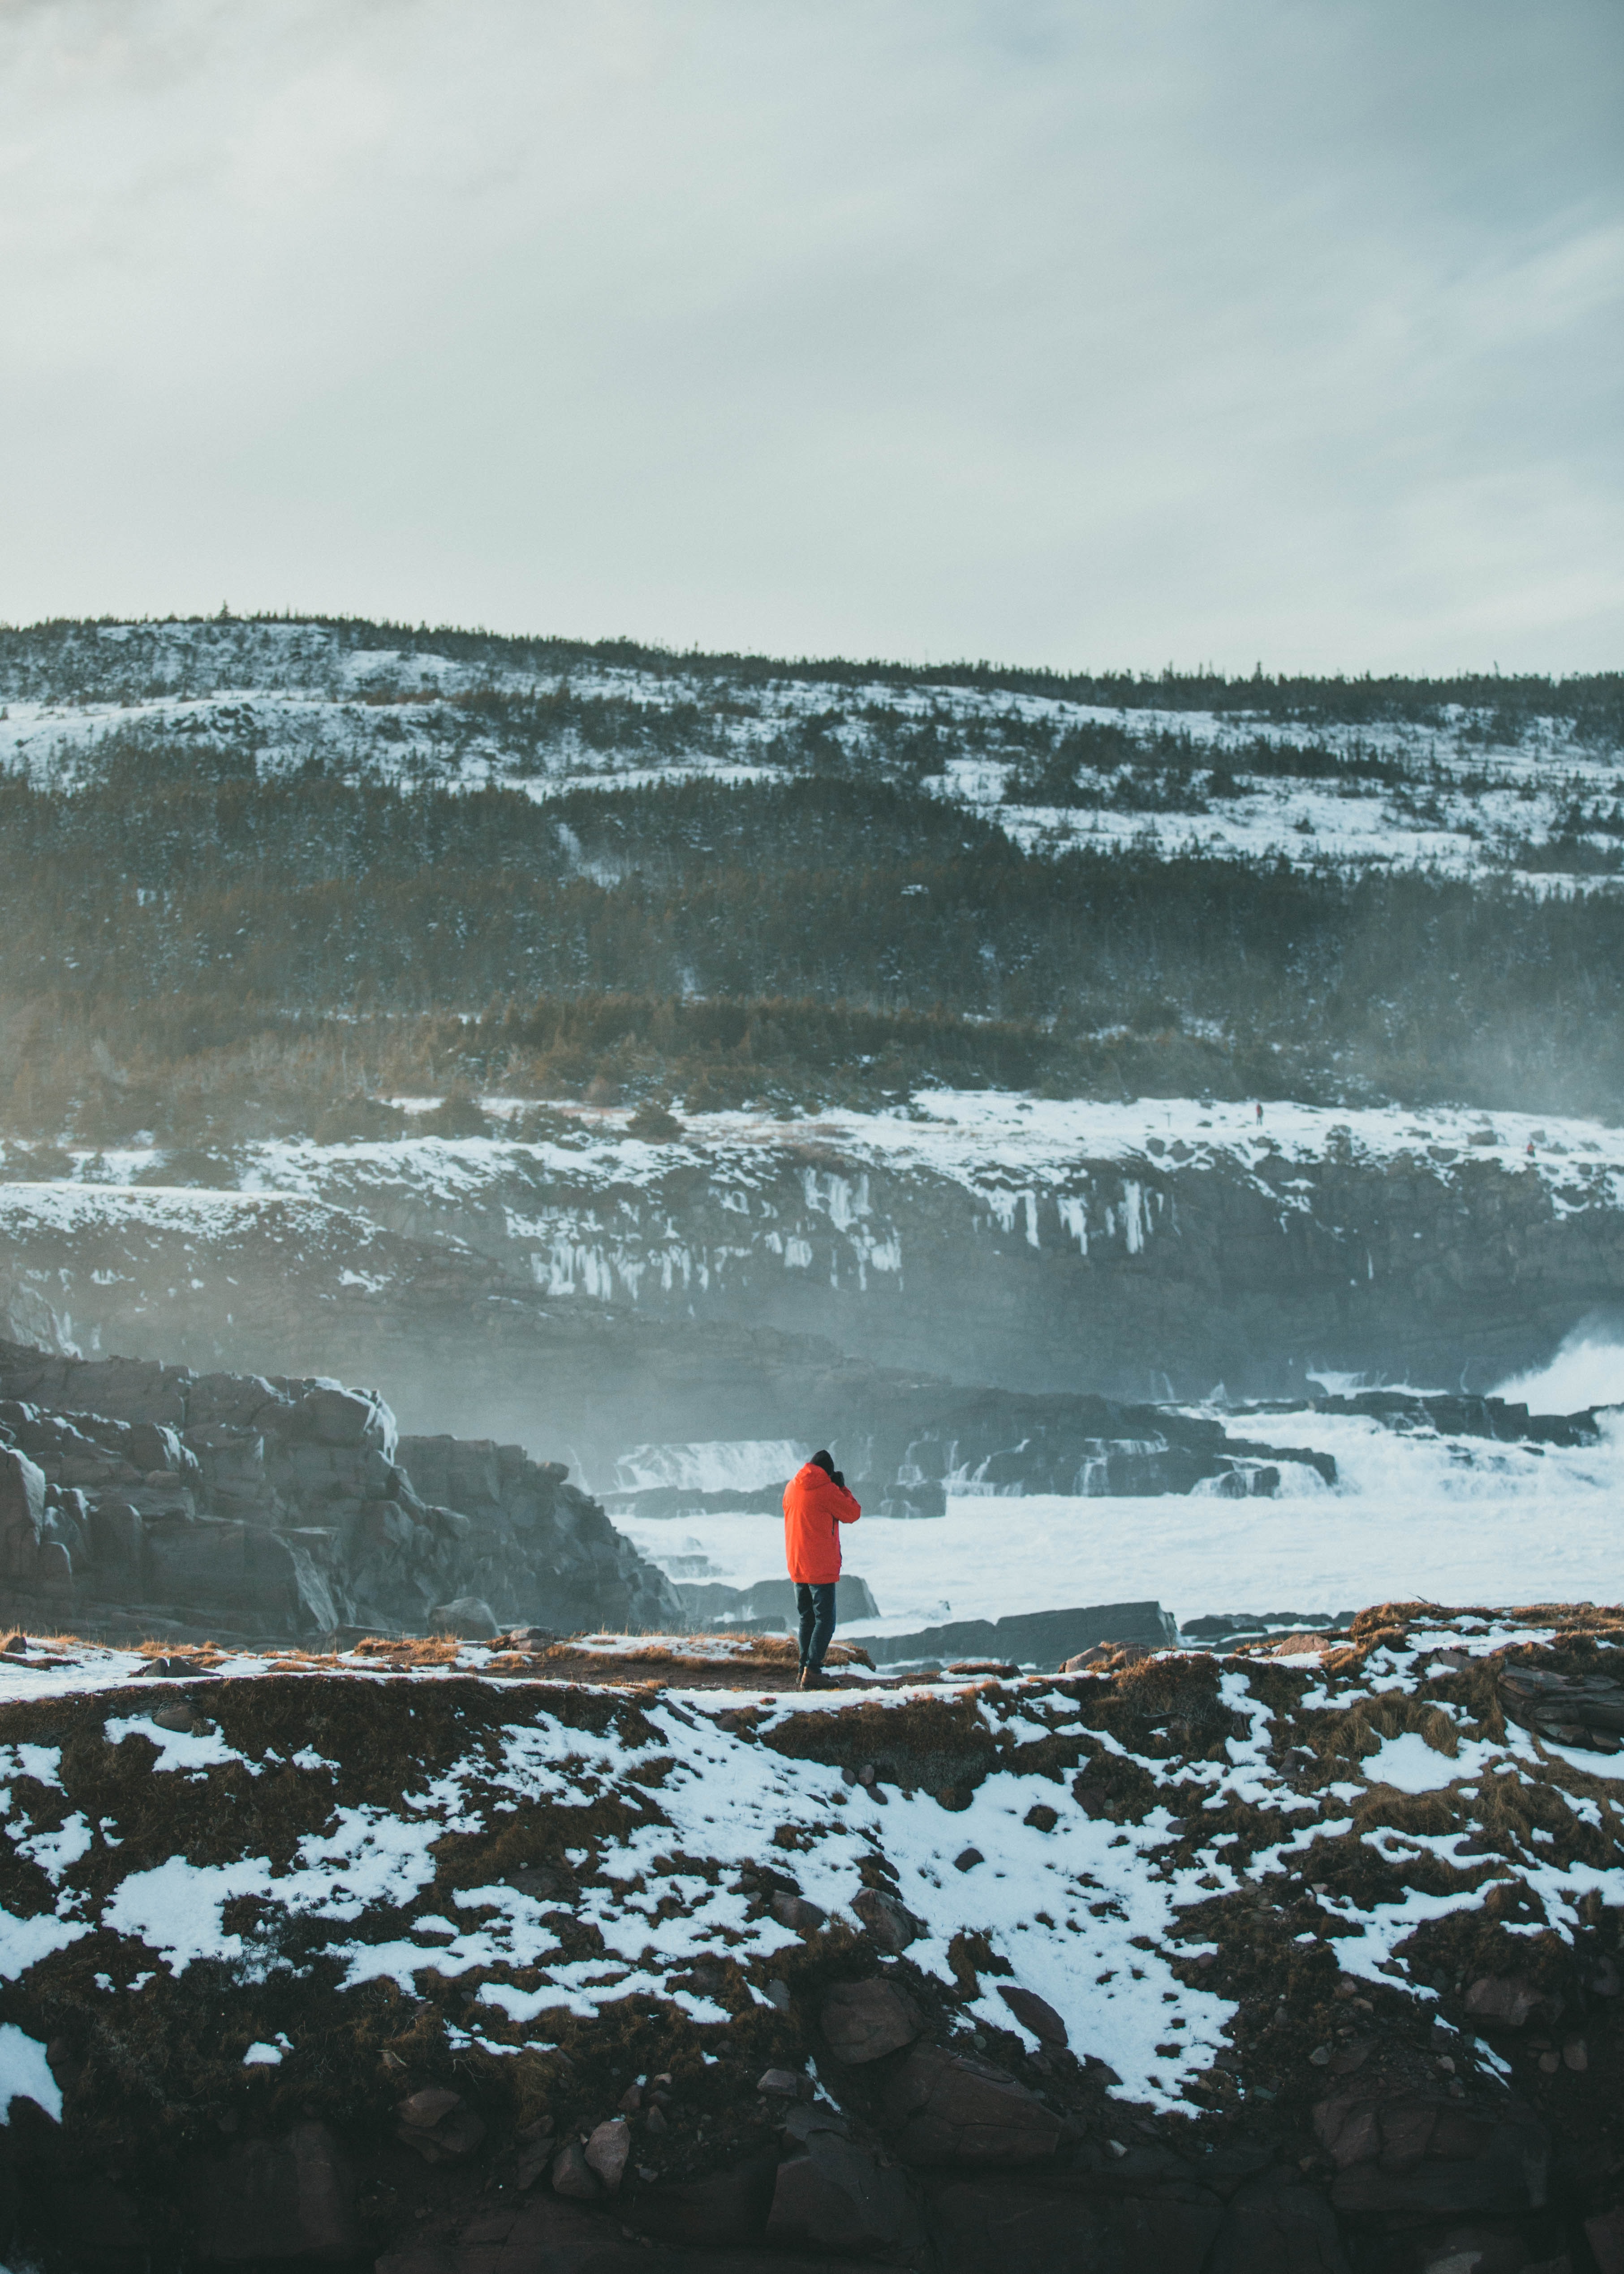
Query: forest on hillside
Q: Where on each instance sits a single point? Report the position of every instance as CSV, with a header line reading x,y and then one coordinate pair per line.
x,y
207,952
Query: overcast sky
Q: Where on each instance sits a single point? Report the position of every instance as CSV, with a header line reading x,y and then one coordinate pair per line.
x,y
1095,335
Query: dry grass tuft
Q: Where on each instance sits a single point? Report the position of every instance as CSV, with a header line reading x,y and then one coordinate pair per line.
x,y
1381,1617
1572,1618
732,1652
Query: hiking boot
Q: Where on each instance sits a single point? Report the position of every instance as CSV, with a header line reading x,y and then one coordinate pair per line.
x,y
803,1679
813,1677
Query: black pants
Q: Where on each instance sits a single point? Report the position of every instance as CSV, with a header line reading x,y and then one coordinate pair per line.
x,y
817,1606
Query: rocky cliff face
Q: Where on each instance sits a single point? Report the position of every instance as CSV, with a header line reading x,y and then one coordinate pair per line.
x,y
591,1299
143,1497
1154,1277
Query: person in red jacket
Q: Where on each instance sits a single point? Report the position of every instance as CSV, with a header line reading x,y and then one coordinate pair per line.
x,y
815,1504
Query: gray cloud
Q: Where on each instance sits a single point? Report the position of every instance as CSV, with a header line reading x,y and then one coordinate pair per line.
x,y
1216,330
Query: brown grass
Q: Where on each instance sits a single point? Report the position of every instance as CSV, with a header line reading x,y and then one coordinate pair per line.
x,y
410,1650
772,1651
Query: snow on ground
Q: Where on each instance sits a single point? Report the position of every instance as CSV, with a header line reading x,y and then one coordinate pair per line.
x,y
1087,1909
1000,1145
1065,1176
996,1143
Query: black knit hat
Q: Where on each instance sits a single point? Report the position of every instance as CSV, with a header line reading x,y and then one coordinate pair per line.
x,y
824,1461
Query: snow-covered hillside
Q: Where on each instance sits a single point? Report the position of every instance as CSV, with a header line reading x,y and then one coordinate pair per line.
x,y
1462,792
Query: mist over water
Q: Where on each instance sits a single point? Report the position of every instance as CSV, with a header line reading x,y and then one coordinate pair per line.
x,y
1588,1370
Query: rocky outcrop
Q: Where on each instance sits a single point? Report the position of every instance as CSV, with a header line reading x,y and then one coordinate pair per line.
x,y
266,1284
1037,1639
132,1493
1159,1273
1585,1709
909,1442
1500,1420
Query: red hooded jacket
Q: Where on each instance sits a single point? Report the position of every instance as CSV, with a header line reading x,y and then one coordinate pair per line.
x,y
815,1507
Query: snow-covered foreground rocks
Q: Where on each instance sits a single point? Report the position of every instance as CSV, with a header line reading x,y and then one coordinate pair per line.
x,y
430,1958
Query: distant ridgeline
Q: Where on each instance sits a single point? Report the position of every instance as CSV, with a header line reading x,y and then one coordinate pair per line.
x,y
279,870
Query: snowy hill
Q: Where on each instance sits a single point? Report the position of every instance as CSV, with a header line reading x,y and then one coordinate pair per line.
x,y
1346,776
277,870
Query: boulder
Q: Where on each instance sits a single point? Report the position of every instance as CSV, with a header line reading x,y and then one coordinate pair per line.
x,y
1575,1709
287,2199
68,1520
607,2150
836,2197
537,2144
152,1447
864,2021
1274,2225
1348,2130
572,2176
232,1464
222,1564
1017,2223
794,1912
1034,2013
1511,2000
1413,2154
802,2118
891,1924
468,1617
723,2208
948,2107
348,1417
438,2125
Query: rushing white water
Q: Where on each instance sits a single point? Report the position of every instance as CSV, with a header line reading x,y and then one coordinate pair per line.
x,y
739,1464
1454,1520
